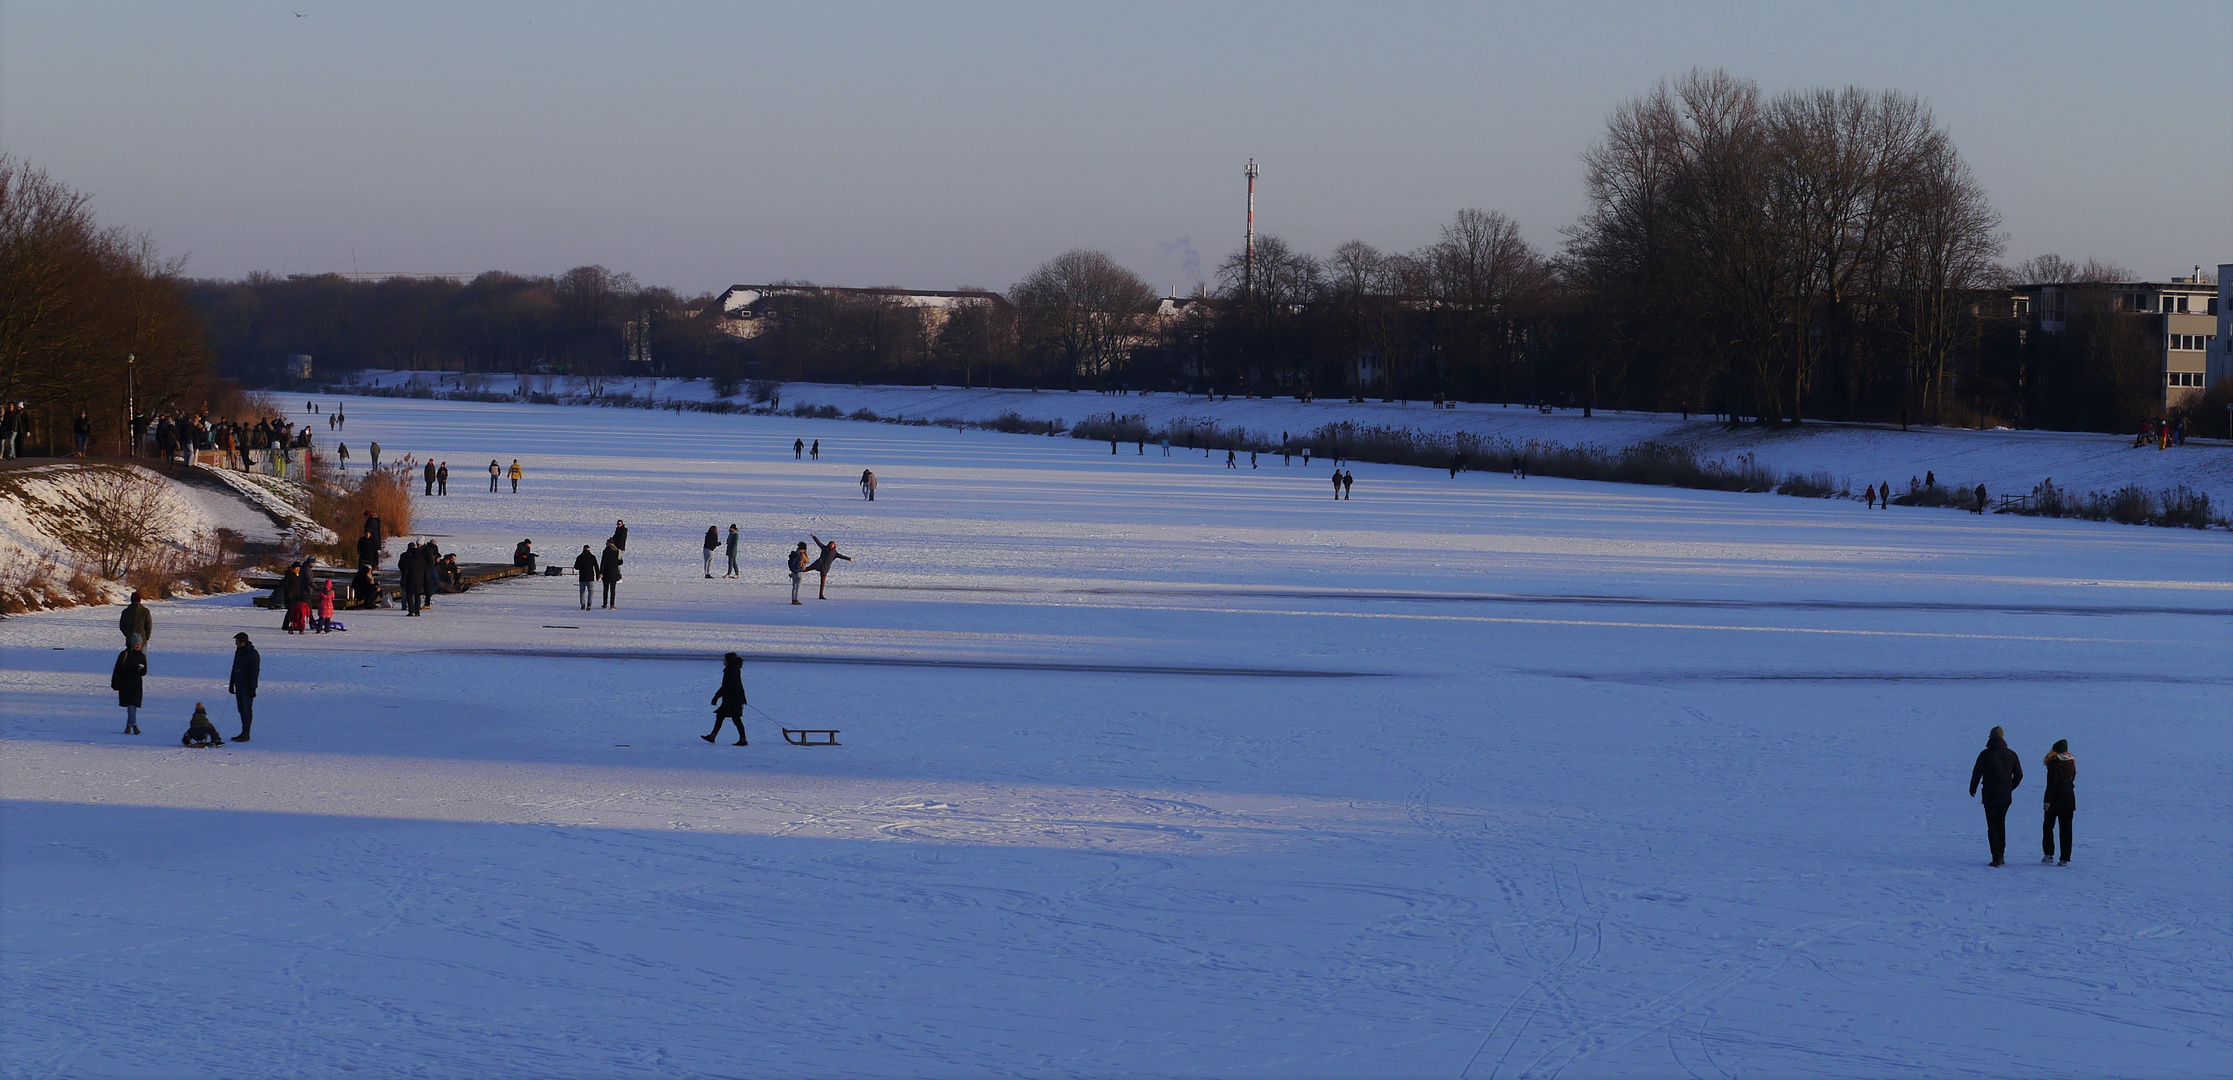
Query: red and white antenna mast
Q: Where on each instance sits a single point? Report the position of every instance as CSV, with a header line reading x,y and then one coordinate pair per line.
x,y
1248,252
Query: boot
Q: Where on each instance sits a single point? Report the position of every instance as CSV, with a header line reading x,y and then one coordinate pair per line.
x,y
707,738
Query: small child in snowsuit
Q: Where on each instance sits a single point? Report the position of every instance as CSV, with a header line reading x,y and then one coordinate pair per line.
x,y
199,731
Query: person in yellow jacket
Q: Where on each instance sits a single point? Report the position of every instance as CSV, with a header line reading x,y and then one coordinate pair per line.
x,y
515,474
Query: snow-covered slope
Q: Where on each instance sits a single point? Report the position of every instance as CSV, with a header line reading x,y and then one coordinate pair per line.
x,y
1863,454
1147,767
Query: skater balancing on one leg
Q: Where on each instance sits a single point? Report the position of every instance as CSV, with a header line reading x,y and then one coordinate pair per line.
x,y
2061,801
2000,772
728,702
822,563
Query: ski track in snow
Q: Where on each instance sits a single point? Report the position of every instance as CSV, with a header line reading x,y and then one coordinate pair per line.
x,y
1632,781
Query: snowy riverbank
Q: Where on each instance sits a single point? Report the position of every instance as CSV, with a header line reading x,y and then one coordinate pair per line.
x,y
1859,454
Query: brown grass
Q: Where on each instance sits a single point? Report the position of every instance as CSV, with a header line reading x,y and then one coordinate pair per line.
x,y
339,503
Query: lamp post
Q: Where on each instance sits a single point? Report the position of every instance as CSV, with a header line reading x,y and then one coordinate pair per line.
x,y
131,404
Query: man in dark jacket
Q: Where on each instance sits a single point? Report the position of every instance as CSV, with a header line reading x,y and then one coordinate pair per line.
x,y
248,666
608,569
442,479
136,620
620,535
368,549
713,544
2000,772
363,591
585,569
430,558
430,476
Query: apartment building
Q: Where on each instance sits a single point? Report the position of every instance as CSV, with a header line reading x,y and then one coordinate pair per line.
x,y
2183,319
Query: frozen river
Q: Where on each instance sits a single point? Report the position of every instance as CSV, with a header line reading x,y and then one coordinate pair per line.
x,y
1149,767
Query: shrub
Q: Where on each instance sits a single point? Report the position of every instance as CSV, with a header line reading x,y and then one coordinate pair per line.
x,y
123,513
863,414
339,504
1816,485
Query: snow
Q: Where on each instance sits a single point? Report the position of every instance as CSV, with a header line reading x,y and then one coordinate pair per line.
x,y
1860,455
1147,767
36,502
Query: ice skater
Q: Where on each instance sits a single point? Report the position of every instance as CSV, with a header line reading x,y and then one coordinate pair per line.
x,y
128,678
2000,772
827,558
2060,802
728,702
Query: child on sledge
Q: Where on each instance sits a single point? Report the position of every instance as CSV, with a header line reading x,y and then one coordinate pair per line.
x,y
199,731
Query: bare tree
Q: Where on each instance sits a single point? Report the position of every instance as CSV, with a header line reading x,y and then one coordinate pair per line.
x,y
1083,310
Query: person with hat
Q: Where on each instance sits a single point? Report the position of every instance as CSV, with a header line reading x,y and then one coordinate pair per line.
x,y
128,679
136,620
2061,800
199,731
728,702
248,666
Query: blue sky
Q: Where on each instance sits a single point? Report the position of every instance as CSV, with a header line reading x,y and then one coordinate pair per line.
x,y
941,145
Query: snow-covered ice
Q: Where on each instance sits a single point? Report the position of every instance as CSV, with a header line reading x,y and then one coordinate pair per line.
x,y
1149,767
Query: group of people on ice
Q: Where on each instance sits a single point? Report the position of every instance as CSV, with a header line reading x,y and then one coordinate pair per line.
x,y
128,677
1999,772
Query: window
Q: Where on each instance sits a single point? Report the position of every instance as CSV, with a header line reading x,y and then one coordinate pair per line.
x,y
2182,303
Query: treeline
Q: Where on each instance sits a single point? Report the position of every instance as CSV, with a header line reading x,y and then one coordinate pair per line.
x,y
89,318
1818,254
587,320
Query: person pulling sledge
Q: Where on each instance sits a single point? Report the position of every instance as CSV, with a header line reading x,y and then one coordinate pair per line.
x,y
728,702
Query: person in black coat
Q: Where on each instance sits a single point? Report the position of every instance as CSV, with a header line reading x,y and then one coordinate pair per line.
x,y
608,570
728,702
363,592
1999,772
585,568
248,667
2061,800
368,549
620,535
430,555
430,476
412,577
128,679
713,544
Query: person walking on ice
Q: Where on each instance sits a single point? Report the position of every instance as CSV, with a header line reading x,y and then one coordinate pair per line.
x,y
728,702
713,544
868,485
822,564
429,471
129,678
815,451
608,570
1229,459
136,621
495,473
515,476
2060,802
1999,772
248,669
798,449
442,479
374,450
585,570
732,549
1337,484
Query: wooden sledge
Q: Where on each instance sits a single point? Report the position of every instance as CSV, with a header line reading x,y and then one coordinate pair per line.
x,y
810,736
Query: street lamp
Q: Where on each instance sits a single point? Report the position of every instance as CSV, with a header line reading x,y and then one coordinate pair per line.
x,y
131,404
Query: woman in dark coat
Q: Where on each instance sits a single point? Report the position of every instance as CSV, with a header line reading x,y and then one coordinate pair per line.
x,y
608,571
728,702
127,680
2061,800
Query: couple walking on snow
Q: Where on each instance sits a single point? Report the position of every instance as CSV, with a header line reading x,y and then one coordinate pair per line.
x,y
1999,772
